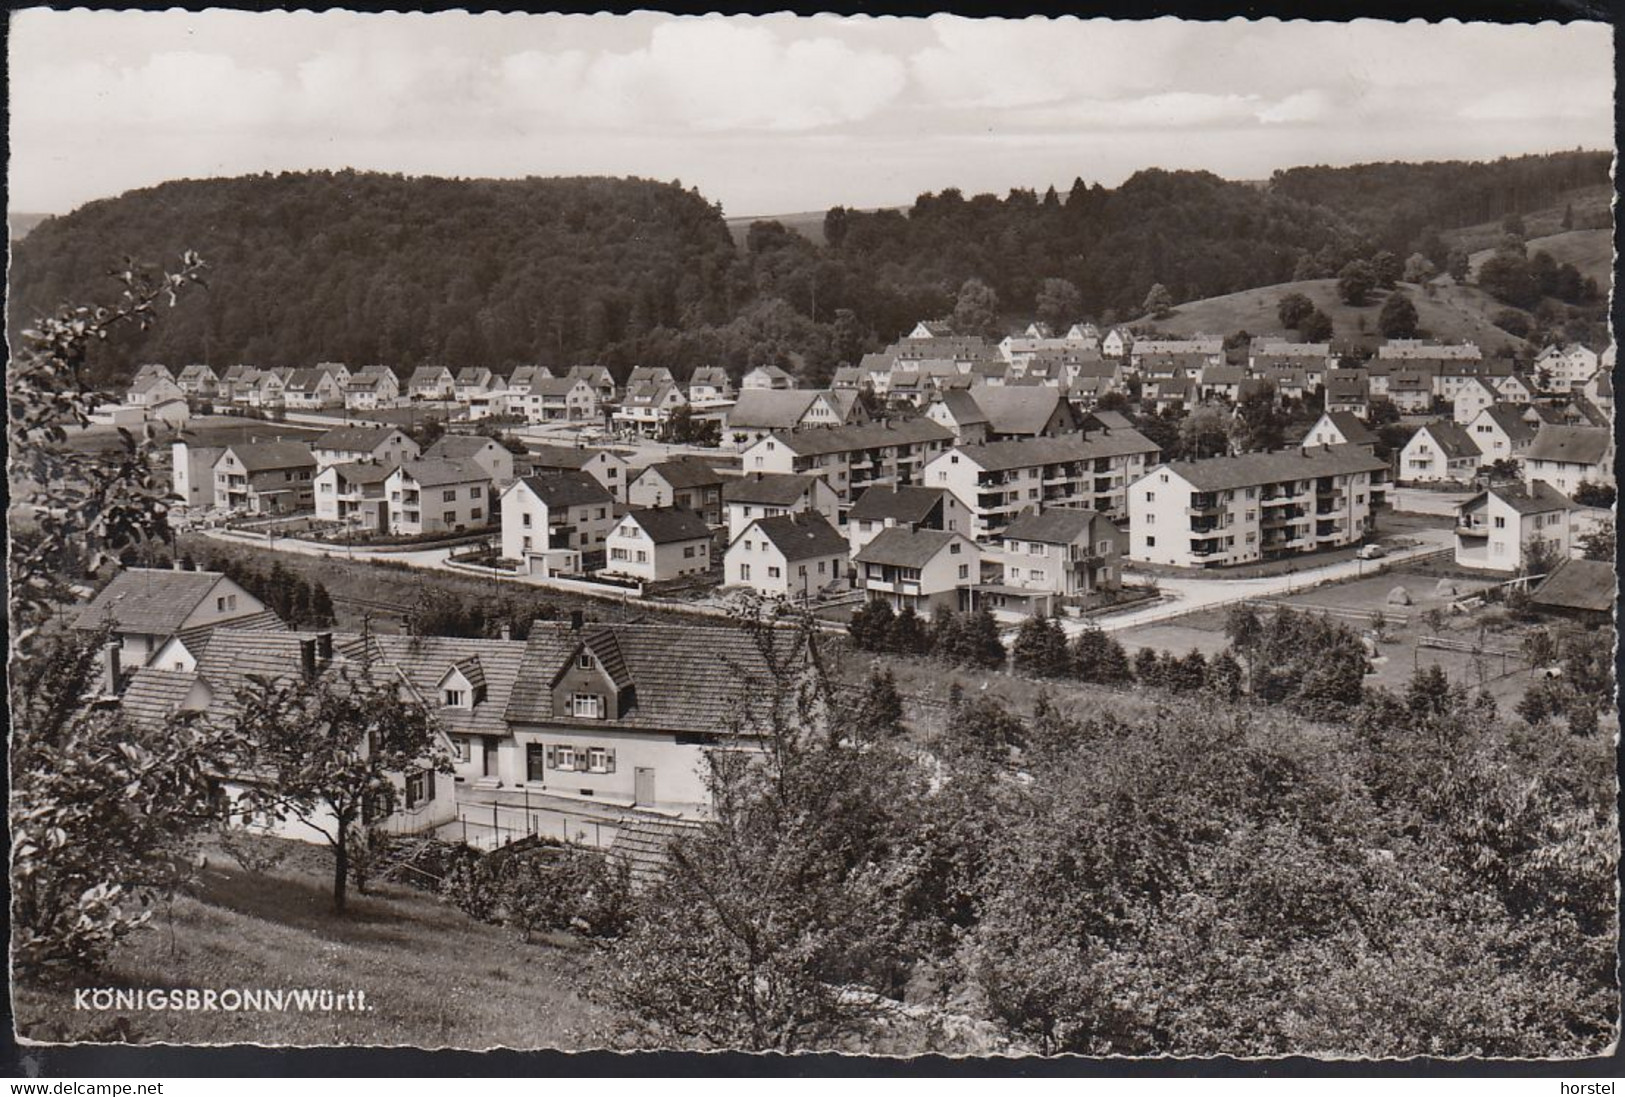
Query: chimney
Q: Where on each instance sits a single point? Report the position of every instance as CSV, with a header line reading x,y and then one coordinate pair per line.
x,y
307,659
506,631
111,671
176,564
324,647
577,619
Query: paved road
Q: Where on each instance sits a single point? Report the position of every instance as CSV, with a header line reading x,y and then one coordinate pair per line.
x,y
1189,595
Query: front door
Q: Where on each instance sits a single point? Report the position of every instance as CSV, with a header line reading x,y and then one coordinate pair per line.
x,y
536,762
490,756
643,785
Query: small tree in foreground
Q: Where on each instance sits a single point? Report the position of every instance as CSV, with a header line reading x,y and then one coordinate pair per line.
x,y
328,752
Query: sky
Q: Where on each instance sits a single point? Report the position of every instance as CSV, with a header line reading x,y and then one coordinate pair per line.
x,y
774,114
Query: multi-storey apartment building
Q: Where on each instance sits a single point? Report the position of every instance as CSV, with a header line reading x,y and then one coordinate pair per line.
x,y
851,459
1232,510
1000,480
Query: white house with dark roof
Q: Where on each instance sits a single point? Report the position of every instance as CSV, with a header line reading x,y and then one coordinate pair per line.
x,y
488,453
1501,432
601,380
1566,368
922,569
686,482
549,522
647,409
152,389
709,386
852,458
799,556
770,494
1055,555
609,467
959,411
1495,527
1566,457
433,495
659,543
145,608
198,380
767,377
1438,452
192,472
555,400
759,412
1255,506
372,387
431,383
265,477
383,445
355,493
1339,428
885,507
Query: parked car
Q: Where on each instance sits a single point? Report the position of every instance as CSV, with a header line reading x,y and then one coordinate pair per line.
x,y
1371,552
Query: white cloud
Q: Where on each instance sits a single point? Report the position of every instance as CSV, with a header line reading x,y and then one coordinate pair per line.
x,y
1305,106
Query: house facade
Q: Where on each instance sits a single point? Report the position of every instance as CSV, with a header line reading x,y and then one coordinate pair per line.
x,y
355,493
685,482
923,570
851,459
146,608
913,508
1256,506
1056,555
1438,452
1566,457
1495,528
769,495
382,445
265,477
655,544
192,472
487,453
799,556
556,520
433,495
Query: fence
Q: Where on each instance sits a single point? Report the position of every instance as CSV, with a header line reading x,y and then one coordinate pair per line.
x,y
1341,613
489,826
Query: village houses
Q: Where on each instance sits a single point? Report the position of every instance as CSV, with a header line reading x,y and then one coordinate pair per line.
x,y
438,495
355,493
770,494
648,408
686,482
607,466
1439,452
920,569
767,377
888,452
431,383
382,445
656,544
191,469
550,523
800,556
489,454
1055,556
145,608
265,477
1566,457
1495,528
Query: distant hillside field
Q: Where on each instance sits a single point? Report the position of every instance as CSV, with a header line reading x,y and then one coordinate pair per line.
x,y
1590,250
1592,210
1452,314
810,225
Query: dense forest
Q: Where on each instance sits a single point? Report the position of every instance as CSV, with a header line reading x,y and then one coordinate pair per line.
x,y
361,268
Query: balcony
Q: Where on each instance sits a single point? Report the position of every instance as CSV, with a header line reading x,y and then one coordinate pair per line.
x,y
1472,529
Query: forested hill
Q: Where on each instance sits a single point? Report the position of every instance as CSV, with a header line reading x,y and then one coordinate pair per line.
x,y
368,268
361,267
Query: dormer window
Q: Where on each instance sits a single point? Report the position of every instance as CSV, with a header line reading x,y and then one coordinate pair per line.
x,y
456,698
587,706
585,661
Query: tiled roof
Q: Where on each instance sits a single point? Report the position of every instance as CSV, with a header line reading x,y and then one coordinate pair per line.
x,y
1510,419
1354,431
770,409
1574,445
817,441
715,376
155,601
684,677
363,472
153,695
424,661
428,375
774,489
683,472
554,386
964,407
1249,469
1055,526
1538,498
458,447
354,439
1028,452
1018,410
261,456
431,473
901,504
567,489
644,845
1579,584
905,548
196,638
564,457
1451,438
667,525
802,536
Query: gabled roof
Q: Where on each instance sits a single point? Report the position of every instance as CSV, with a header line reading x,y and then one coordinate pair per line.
x,y
905,505
1573,445
155,601
555,386
715,376
649,392
773,489
307,380
424,662
906,548
565,457
683,472
1012,410
1056,526
1251,469
668,525
822,440
1538,498
770,409
1579,584
1510,419
1451,438
425,375
473,375
459,447
567,489
683,677
802,536
1223,375
260,456
432,472
354,439
1354,431
363,472
964,408
1028,452
154,695
593,375
1341,382
1112,420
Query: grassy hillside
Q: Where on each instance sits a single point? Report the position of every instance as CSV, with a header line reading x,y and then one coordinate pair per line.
x,y
1452,313
1592,210
810,225
432,976
1590,250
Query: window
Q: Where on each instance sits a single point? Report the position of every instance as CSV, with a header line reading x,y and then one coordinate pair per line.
x,y
598,760
419,788
1035,573
964,571
459,748
1500,523
602,513
564,758
584,661
617,554
821,564
643,556
1150,519
449,517
688,552
1035,549
1102,548
524,520
475,513
744,572
1150,497
773,572
475,492
588,706
456,698
449,495
1150,542
226,602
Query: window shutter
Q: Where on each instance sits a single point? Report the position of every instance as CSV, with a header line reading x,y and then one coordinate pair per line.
x,y
552,758
609,761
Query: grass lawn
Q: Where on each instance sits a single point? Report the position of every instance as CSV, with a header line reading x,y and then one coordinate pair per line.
x,y
432,977
380,585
